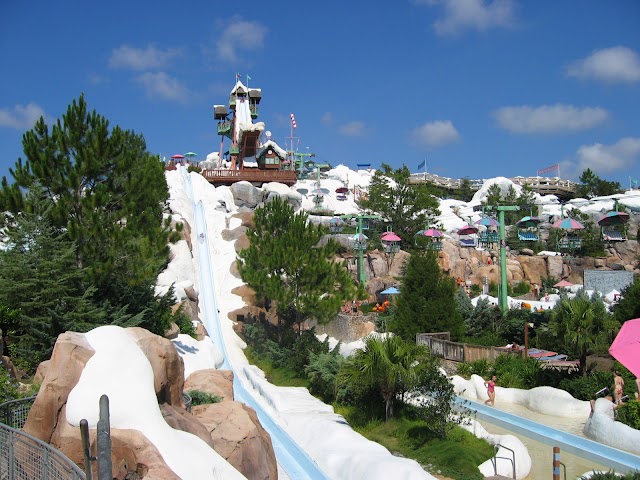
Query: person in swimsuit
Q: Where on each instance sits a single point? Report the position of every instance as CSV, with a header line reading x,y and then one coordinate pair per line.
x,y
491,390
618,383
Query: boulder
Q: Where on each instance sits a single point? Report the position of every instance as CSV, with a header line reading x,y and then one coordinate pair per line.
x,y
70,354
41,372
167,365
246,195
239,438
211,381
191,294
172,332
179,419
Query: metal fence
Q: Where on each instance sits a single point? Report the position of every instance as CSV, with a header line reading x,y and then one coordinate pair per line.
x,y
24,457
14,413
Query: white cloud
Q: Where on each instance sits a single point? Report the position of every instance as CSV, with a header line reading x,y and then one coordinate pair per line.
x,y
609,158
352,129
557,118
478,15
239,35
161,85
435,133
21,117
141,58
613,65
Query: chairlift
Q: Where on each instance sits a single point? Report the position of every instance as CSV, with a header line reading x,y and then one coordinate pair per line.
x,y
528,228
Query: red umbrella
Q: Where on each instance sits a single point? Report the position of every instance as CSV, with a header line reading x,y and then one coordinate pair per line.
x,y
342,190
431,232
468,230
626,347
563,283
177,157
390,237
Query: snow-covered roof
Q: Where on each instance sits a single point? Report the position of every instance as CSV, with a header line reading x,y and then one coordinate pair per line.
x,y
271,144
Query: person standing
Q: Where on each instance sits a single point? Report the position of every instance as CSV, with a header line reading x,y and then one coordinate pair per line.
x,y
618,383
491,391
637,388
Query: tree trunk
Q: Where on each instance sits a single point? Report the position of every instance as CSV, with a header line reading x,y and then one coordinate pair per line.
x,y
388,408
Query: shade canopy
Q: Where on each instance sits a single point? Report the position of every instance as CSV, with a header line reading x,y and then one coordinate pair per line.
x,y
613,218
430,232
528,222
342,190
360,237
488,222
390,291
626,346
302,191
568,224
468,230
317,191
563,283
390,237
190,154
177,156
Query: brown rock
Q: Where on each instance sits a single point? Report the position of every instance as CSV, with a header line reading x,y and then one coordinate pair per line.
x,y
201,332
70,354
211,381
168,366
41,372
191,294
11,368
239,438
179,419
172,332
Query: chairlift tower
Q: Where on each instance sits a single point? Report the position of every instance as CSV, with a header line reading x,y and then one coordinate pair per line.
x,y
359,242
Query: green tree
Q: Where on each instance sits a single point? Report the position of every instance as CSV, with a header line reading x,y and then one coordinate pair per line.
x,y
628,307
43,289
408,208
583,327
286,264
426,302
593,186
107,193
390,364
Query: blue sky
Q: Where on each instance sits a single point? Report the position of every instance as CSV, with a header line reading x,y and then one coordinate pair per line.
x,y
479,88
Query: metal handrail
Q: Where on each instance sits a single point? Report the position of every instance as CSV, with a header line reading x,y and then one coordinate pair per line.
x,y
25,457
494,460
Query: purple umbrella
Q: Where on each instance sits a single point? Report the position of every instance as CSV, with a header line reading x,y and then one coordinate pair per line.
x,y
613,218
568,224
468,230
488,222
431,232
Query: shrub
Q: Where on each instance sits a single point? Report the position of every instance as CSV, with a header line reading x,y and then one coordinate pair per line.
x,y
199,397
629,414
517,372
481,367
322,371
583,388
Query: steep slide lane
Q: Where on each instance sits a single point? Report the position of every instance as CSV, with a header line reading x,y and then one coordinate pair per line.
x,y
295,461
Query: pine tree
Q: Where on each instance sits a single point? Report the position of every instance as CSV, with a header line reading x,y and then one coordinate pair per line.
x,y
408,208
107,193
285,264
426,302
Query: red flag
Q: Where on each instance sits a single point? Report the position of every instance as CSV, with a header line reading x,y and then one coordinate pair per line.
x,y
293,121
549,169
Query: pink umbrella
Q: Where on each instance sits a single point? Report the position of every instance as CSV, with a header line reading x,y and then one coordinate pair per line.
x,y
563,283
177,157
626,346
390,237
568,224
431,232
468,230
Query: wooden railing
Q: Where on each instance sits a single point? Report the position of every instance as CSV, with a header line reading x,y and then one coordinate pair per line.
x,y
225,176
460,352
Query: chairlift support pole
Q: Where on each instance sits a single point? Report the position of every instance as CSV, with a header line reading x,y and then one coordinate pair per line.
x,y
361,275
502,294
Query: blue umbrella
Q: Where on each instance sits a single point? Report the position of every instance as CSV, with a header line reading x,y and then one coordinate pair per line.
x,y
390,291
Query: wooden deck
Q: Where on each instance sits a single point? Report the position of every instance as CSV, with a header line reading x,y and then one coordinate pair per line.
x,y
228,177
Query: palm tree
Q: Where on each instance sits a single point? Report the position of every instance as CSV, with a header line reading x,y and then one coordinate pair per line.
x,y
582,324
390,364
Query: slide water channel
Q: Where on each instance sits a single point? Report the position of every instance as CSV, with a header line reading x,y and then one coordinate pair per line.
x,y
290,457
540,433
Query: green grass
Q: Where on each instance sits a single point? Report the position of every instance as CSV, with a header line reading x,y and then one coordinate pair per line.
x,y
282,377
457,456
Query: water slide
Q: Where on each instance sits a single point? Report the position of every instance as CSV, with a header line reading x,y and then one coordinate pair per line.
x,y
243,115
597,452
291,458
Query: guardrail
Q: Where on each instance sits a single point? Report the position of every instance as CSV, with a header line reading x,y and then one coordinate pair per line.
x,y
14,413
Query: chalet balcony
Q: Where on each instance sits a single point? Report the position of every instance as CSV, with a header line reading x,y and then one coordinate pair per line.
x,y
225,128
254,176
254,111
234,149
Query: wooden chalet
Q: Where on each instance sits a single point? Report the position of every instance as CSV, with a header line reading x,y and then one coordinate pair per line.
x,y
249,159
